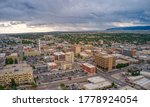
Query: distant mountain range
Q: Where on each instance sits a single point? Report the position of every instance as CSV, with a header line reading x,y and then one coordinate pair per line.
x,y
131,28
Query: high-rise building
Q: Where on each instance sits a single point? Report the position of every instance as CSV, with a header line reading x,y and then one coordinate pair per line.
x,y
77,49
59,56
21,73
133,52
129,52
69,57
105,61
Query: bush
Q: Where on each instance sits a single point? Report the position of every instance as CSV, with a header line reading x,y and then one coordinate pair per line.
x,y
9,61
13,84
34,84
63,86
1,87
122,65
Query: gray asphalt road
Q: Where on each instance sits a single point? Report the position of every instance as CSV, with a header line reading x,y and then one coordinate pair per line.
x,y
66,81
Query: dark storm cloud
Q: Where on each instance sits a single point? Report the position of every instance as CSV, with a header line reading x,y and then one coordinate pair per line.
x,y
75,12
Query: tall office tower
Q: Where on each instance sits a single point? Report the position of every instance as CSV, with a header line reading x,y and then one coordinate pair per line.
x,y
129,52
59,56
77,49
105,61
69,57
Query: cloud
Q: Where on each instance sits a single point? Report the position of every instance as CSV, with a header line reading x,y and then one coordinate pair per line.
x,y
71,14
125,24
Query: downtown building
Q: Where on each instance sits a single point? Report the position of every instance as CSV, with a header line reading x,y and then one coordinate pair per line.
x,y
77,49
105,61
89,68
59,56
69,57
21,73
129,52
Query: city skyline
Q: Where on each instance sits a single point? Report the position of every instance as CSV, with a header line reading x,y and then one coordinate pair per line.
x,y
21,16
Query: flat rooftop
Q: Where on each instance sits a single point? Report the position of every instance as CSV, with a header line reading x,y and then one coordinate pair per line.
x,y
101,85
96,79
89,65
13,54
51,64
2,54
105,55
59,53
16,68
118,61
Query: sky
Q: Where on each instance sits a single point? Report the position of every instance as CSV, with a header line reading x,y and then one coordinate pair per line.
x,y
21,16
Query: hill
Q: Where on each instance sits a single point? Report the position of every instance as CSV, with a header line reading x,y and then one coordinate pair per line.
x,y
131,28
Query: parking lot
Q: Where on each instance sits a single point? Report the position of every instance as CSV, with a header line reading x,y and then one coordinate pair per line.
x,y
60,76
145,67
33,59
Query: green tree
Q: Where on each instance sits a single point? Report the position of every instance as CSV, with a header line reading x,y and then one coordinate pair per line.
x,y
33,66
114,85
24,57
1,87
34,84
26,42
13,84
134,72
9,61
122,65
63,86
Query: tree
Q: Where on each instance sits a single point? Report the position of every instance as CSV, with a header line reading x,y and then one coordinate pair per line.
x,y
24,57
1,87
34,84
114,85
33,66
16,62
122,65
63,86
26,42
79,56
9,61
134,72
13,84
